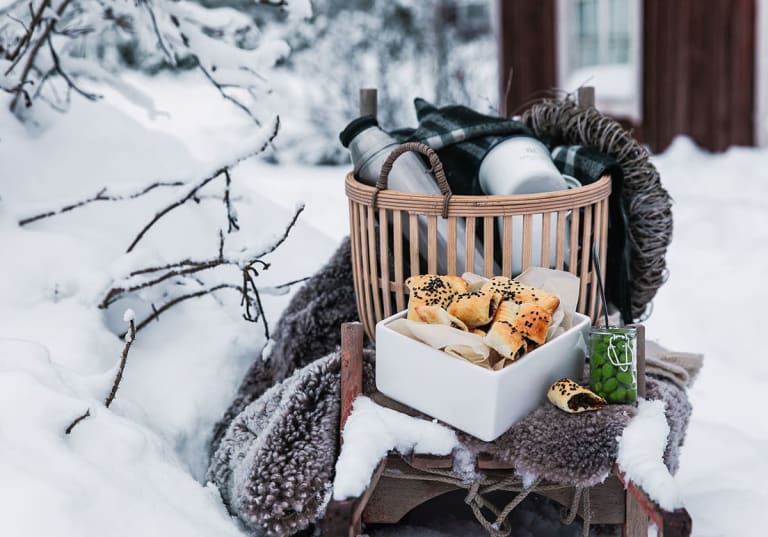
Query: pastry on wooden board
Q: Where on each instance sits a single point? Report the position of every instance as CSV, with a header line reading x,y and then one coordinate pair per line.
x,y
432,290
571,397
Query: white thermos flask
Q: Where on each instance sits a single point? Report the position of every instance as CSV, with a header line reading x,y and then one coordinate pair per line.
x,y
522,165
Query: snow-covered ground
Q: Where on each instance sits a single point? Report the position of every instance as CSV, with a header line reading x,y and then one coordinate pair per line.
x,y
134,468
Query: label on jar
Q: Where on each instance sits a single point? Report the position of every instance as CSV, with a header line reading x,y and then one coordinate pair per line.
x,y
620,351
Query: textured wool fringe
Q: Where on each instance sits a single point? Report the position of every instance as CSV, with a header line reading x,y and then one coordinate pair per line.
x,y
647,203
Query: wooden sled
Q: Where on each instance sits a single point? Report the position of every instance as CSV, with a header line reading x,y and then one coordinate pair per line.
x,y
387,499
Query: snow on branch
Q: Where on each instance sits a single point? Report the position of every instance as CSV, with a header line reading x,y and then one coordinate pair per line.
x,y
181,274
129,339
101,195
185,274
47,46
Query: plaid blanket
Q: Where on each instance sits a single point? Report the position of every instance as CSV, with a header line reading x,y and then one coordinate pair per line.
x,y
588,165
462,137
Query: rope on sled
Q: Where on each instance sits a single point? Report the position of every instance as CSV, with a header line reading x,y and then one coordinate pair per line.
x,y
482,485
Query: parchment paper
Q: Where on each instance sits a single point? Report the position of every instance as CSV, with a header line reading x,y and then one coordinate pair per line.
x,y
471,346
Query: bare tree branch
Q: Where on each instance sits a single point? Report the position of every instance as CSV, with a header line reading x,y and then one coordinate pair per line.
x,y
77,420
188,266
101,195
181,298
32,54
21,47
286,232
118,377
231,218
181,201
123,359
66,77
225,95
160,39
248,274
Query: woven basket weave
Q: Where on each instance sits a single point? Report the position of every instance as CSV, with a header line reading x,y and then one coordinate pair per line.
x,y
384,224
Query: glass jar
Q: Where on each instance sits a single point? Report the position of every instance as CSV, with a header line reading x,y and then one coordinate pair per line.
x,y
613,363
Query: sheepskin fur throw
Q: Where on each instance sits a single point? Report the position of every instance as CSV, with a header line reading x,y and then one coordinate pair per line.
x,y
276,447
274,465
307,330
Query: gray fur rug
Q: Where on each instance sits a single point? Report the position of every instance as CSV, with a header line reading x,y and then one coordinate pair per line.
x,y
274,450
308,330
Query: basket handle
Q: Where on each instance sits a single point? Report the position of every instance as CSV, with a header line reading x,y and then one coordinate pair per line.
x,y
434,161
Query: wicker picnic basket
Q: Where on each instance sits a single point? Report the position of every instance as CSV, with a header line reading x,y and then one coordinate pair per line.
x,y
385,223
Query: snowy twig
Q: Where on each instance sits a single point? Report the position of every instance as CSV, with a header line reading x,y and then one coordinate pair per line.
x,y
21,47
66,77
231,217
101,195
250,296
178,203
76,421
116,293
129,339
281,240
160,37
35,48
248,274
18,90
220,88
156,311
200,184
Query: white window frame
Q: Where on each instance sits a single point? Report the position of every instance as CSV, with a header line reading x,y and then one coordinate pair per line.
x,y
761,75
566,16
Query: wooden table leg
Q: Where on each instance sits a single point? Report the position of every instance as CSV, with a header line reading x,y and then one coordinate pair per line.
x,y
635,518
351,367
675,523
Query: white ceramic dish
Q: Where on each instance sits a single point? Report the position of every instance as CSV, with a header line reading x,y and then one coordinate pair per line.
x,y
473,399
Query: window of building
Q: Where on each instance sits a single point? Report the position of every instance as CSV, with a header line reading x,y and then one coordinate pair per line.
x,y
599,45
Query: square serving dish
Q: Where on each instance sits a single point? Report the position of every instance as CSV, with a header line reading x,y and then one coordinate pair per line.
x,y
473,399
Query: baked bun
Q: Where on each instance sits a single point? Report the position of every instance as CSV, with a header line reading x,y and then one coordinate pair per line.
x,y
475,308
513,290
571,397
432,290
531,321
437,315
505,339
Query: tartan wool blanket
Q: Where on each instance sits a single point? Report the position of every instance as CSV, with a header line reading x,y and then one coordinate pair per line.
x,y
462,137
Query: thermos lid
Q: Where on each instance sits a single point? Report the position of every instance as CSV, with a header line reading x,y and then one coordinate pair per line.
x,y
355,127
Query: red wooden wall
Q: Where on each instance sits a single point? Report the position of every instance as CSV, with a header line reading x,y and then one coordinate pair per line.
x,y
698,67
526,51
698,72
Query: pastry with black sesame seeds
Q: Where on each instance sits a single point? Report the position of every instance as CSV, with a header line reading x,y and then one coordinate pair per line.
x,y
506,340
513,290
530,320
475,308
573,398
432,290
437,315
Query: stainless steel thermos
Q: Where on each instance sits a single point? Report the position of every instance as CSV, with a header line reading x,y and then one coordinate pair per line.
x,y
369,147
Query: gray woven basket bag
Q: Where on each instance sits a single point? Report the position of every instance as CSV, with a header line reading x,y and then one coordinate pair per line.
x,y
647,203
